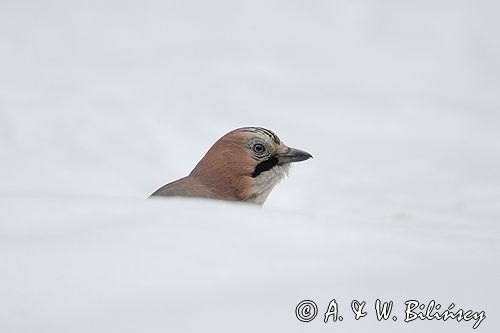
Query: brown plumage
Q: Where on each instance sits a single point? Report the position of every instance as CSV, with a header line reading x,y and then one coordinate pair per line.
x,y
243,165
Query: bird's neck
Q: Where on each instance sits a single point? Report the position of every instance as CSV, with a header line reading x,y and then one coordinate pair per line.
x,y
263,184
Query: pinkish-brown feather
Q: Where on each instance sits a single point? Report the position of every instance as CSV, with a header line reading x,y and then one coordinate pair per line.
x,y
226,168
186,187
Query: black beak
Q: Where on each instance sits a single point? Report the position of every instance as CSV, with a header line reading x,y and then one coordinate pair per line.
x,y
293,155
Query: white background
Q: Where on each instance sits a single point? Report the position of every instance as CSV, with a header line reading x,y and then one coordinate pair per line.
x,y
102,102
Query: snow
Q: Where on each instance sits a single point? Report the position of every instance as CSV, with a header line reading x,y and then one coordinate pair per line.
x,y
102,102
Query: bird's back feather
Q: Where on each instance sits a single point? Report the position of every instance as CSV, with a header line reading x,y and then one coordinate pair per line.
x,y
184,187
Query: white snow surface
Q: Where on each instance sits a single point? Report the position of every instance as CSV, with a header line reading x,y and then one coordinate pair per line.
x,y
102,102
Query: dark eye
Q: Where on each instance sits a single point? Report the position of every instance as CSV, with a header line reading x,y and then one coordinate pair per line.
x,y
258,148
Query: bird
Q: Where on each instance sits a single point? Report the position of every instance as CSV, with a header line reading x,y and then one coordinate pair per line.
x,y
243,165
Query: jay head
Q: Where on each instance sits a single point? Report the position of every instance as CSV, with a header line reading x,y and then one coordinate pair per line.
x,y
243,165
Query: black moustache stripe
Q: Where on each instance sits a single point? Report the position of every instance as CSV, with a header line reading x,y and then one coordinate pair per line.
x,y
264,166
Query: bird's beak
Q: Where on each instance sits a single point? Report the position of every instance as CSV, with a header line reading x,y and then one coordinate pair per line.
x,y
293,155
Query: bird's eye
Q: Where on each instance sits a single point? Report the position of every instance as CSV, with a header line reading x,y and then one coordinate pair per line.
x,y
258,148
